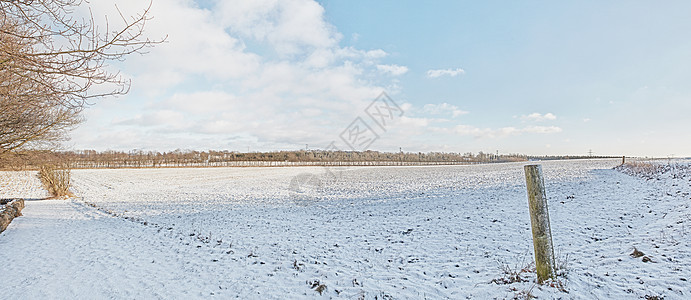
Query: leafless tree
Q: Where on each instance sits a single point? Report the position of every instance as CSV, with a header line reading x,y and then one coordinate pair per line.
x,y
53,62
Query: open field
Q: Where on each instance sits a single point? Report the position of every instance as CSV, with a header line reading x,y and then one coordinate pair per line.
x,y
362,232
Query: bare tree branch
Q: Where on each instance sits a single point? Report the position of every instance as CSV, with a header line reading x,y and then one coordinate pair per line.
x,y
51,61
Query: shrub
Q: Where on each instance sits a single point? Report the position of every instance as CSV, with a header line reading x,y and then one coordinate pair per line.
x,y
56,180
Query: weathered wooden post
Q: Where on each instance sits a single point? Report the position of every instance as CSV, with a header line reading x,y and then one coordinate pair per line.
x,y
623,160
539,220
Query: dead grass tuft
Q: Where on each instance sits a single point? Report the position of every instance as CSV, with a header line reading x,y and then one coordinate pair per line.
x,y
515,273
524,294
317,286
321,288
525,272
636,253
561,266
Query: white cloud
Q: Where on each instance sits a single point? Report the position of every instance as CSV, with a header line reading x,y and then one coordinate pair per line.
x,y
468,130
413,122
541,129
394,70
195,45
156,118
444,108
445,72
295,85
537,117
289,26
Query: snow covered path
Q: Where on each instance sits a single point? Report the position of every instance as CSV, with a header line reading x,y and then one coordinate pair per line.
x,y
65,248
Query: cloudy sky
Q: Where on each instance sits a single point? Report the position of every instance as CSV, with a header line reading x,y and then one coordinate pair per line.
x,y
532,77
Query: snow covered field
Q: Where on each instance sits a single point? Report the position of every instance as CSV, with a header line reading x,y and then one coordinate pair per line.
x,y
364,232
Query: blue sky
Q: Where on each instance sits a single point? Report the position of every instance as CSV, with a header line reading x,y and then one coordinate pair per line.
x,y
531,77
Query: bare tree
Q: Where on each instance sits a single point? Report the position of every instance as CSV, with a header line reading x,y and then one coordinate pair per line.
x,y
53,62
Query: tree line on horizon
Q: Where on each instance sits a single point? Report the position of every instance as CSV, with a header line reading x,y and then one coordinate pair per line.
x,y
211,158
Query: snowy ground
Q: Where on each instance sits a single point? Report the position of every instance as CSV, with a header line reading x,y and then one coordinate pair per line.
x,y
366,232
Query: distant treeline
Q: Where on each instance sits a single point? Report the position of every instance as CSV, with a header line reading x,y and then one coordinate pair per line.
x,y
562,157
180,158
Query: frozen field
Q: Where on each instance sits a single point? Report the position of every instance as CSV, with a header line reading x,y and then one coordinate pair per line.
x,y
366,232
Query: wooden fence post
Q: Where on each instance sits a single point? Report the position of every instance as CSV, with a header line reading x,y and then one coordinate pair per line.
x,y
623,159
539,220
